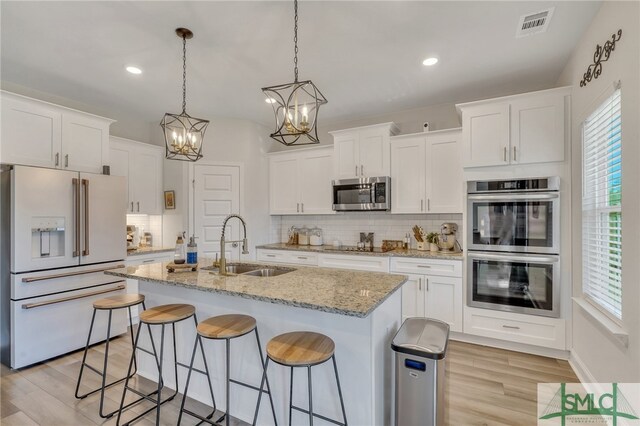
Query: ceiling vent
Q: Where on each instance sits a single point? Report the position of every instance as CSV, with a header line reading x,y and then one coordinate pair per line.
x,y
534,23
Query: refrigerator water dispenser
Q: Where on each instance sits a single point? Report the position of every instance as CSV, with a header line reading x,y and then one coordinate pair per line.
x,y
47,236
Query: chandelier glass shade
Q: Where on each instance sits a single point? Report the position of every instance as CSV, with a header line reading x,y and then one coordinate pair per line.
x,y
295,105
183,134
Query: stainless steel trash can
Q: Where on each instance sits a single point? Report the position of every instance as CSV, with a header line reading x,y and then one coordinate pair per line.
x,y
420,348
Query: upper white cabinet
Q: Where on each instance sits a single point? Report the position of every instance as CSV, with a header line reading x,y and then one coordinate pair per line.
x,y
37,133
521,129
141,164
426,172
363,151
300,182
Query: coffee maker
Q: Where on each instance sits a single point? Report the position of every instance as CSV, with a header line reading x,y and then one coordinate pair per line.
x,y
448,241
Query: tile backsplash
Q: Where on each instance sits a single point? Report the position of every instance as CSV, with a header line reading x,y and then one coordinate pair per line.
x,y
150,223
346,227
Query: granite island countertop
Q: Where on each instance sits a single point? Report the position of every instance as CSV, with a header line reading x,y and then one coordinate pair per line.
x,y
393,253
339,291
148,250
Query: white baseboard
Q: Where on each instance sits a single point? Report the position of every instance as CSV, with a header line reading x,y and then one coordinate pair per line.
x,y
581,369
511,346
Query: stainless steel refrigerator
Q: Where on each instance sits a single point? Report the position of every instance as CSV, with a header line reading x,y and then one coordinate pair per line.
x,y
60,231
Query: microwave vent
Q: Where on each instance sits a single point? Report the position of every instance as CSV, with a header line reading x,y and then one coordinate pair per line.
x,y
534,23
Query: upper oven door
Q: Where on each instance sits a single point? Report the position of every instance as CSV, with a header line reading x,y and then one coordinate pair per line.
x,y
514,222
361,194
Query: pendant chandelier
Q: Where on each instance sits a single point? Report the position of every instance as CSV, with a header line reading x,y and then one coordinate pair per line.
x,y
183,134
296,104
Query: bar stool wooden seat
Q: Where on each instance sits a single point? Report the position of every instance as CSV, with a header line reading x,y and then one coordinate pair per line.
x,y
109,304
226,327
163,315
302,349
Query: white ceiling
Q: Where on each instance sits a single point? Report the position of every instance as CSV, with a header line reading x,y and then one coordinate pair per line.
x,y
364,56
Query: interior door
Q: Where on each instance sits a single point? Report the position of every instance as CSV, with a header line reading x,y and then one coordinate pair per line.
x,y
43,199
315,171
104,223
408,172
216,195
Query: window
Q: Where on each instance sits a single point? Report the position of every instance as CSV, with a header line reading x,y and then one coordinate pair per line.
x,y
602,207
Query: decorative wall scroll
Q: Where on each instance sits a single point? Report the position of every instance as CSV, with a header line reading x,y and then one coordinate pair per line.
x,y
600,55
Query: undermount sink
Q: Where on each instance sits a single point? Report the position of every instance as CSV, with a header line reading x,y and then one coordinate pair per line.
x,y
269,272
241,268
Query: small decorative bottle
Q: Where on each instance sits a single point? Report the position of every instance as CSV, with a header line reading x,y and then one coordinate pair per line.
x,y
192,251
179,257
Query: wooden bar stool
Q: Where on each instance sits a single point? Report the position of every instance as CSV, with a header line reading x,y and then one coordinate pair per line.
x,y
302,349
226,327
109,304
162,315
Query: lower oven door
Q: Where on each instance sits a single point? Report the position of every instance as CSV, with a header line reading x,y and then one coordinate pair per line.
x,y
47,326
523,283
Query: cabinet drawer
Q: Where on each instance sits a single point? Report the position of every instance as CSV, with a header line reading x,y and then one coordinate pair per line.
x,y
360,263
445,268
288,256
144,259
539,331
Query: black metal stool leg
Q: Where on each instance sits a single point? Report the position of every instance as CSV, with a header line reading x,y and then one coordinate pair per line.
x,y
310,397
291,398
264,376
273,409
226,416
126,382
84,357
104,368
186,385
160,375
335,368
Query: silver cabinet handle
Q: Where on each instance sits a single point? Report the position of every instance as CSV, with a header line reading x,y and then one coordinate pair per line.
x,y
504,154
302,258
423,266
420,284
513,327
427,284
270,255
297,207
356,170
85,184
69,274
514,153
67,299
148,261
138,206
76,193
132,207
421,205
361,170
428,204
57,158
302,207
66,160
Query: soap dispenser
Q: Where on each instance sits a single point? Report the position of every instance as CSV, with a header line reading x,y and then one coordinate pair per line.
x,y
179,256
192,251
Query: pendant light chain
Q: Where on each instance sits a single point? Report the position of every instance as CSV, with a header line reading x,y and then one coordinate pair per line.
x,y
184,74
295,40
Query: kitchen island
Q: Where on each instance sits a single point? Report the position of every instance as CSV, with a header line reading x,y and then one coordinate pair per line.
x,y
360,311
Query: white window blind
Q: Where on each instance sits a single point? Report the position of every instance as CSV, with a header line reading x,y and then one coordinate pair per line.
x,y
602,207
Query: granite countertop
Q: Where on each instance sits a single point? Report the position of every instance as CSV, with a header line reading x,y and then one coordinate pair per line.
x,y
148,250
339,291
393,253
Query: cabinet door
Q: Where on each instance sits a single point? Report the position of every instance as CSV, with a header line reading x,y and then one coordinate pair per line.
x,y
374,152
30,133
120,159
413,297
485,135
345,147
85,142
537,129
408,171
146,180
283,185
444,181
315,175
443,300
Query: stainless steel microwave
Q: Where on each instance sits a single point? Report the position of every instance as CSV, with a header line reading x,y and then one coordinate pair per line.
x,y
364,194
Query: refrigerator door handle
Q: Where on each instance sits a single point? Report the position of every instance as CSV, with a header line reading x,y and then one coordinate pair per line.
x,y
79,296
76,196
85,184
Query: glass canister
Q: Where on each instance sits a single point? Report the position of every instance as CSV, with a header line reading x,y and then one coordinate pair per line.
x,y
315,237
303,236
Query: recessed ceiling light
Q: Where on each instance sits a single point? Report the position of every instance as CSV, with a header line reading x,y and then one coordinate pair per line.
x,y
430,61
134,70
270,101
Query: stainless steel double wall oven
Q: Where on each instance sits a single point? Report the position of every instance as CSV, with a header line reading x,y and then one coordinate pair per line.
x,y
513,242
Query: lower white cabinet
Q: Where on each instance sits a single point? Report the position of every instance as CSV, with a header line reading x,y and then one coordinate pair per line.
x,y
518,328
434,292
355,262
142,259
291,257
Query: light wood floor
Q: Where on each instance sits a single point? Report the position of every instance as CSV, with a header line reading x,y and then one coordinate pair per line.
x,y
485,386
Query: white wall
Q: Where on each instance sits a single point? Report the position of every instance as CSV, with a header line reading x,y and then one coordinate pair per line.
x,y
226,140
603,357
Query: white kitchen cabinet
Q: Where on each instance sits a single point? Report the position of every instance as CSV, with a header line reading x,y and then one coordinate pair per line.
x,y
362,151
355,262
141,164
426,173
521,129
300,182
37,133
434,292
291,257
